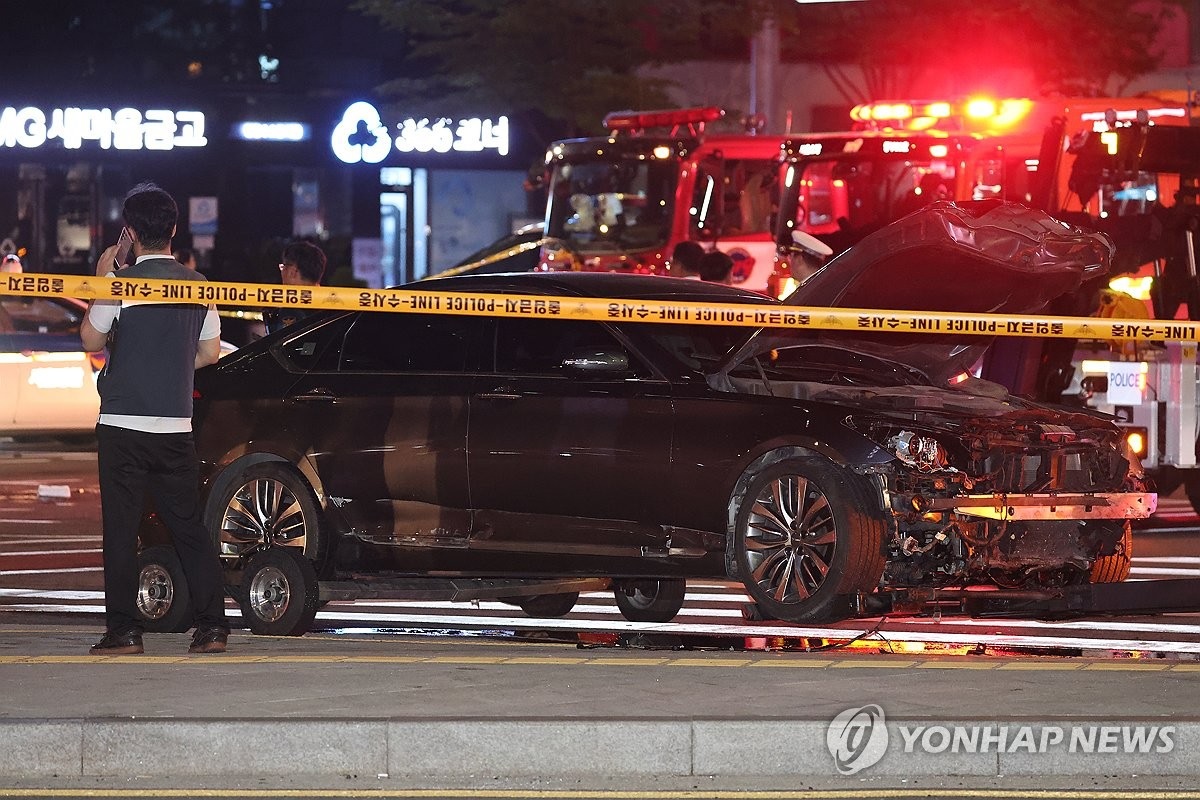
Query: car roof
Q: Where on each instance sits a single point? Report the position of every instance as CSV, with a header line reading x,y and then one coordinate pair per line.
x,y
598,284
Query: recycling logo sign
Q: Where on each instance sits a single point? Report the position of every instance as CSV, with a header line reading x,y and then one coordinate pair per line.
x,y
362,136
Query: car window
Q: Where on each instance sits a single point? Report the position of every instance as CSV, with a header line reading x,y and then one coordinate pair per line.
x,y
387,342
316,349
39,315
538,346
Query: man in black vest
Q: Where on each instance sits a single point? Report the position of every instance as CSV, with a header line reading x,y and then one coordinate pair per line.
x,y
144,434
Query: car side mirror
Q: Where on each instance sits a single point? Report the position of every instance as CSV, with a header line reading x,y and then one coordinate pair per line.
x,y
595,363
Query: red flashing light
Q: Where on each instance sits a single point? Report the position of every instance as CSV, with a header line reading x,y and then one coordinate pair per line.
x,y
639,120
981,108
973,114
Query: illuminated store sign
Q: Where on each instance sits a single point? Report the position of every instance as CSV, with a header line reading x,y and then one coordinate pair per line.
x,y
123,129
271,131
361,135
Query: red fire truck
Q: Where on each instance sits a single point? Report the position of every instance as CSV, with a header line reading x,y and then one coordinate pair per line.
x,y
622,202
900,155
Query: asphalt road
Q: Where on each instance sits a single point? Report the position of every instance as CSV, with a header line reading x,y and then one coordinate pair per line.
x,y
50,564
593,706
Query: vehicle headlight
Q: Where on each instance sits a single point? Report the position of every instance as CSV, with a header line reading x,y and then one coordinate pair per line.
x,y
922,452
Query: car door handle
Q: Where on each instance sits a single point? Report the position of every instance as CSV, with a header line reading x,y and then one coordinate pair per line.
x,y
315,396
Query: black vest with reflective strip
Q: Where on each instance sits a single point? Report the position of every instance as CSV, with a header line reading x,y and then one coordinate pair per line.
x,y
152,350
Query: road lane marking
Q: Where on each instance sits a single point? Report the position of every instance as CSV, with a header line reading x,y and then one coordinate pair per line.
x,y
4,540
794,659
862,793
55,594
1161,571
16,553
49,571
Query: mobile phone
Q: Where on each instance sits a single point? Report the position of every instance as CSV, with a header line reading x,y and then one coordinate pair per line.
x,y
124,244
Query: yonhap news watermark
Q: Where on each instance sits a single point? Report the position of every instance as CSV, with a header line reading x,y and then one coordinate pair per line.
x,y
858,738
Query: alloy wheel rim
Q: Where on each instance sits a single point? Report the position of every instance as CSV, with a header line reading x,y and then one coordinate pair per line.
x,y
790,539
156,592
270,594
637,593
262,512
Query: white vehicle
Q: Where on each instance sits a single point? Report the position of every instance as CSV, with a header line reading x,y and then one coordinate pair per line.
x,y
47,381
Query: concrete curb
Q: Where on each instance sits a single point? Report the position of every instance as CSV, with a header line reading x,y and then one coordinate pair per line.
x,y
159,748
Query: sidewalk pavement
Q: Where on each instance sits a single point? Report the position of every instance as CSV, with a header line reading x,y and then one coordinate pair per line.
x,y
458,707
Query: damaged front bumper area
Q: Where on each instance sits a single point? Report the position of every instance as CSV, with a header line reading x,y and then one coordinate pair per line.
x,y
1008,539
1003,507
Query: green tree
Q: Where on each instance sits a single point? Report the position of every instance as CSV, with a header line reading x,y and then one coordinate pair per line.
x,y
1073,47
572,61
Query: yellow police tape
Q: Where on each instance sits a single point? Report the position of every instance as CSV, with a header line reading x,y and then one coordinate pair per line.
x,y
429,301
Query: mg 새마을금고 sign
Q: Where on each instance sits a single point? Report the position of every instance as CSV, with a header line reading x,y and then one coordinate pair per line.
x,y
31,128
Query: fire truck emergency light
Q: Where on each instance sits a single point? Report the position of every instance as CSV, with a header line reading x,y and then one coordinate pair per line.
x,y
974,112
638,120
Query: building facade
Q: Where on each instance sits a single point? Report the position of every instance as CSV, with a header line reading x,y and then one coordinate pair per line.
x,y
391,199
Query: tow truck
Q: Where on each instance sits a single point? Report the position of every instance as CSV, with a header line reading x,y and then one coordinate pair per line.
x,y
621,202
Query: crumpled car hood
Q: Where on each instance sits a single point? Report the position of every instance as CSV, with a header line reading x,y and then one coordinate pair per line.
x,y
975,257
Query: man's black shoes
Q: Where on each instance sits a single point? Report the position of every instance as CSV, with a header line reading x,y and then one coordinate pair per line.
x,y
209,639
118,644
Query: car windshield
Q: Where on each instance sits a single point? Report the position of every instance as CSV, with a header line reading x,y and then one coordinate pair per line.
x,y
600,206
813,363
866,193
696,349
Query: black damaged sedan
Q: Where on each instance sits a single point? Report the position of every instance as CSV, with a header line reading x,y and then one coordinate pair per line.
x,y
366,449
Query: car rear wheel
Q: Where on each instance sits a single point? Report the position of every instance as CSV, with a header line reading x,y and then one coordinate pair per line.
x,y
805,539
1114,568
279,594
164,603
544,606
649,600
268,505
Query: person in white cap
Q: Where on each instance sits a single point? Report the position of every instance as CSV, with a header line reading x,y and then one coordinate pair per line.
x,y
11,263
808,255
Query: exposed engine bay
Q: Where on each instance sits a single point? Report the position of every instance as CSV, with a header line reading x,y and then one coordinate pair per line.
x,y
1023,497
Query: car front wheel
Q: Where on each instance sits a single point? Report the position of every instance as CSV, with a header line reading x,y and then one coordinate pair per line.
x,y
1114,567
805,539
267,505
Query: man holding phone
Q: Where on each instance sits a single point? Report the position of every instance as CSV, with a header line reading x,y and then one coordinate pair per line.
x,y
144,434
124,246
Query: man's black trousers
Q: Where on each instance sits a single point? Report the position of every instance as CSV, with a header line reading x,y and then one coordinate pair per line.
x,y
130,463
